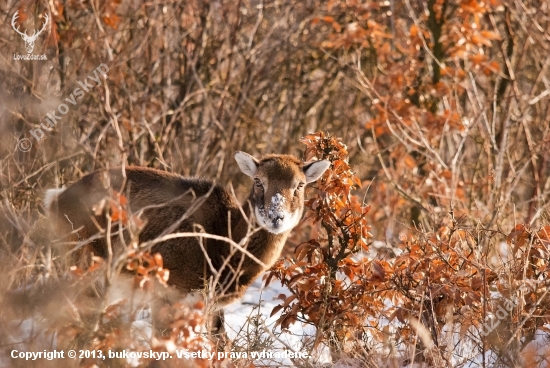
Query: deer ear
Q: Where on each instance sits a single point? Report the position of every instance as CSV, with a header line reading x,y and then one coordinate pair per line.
x,y
248,164
314,170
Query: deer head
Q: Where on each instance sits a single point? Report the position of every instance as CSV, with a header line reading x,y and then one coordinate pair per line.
x,y
29,40
278,192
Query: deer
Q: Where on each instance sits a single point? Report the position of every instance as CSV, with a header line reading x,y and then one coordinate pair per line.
x,y
173,203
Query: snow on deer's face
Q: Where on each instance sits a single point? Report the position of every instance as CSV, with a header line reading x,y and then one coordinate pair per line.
x,y
278,193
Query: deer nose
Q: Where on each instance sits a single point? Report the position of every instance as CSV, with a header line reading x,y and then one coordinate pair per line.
x,y
278,219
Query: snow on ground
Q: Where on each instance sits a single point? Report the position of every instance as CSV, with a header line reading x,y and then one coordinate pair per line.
x,y
26,335
237,314
539,348
31,333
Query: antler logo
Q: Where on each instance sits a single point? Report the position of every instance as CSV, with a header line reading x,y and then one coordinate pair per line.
x,y
29,40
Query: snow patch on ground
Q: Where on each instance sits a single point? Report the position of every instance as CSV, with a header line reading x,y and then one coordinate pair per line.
x,y
237,314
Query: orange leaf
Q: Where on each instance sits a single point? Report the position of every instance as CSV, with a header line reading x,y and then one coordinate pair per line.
x,y
490,35
480,40
519,229
410,162
111,20
289,300
413,31
378,269
158,259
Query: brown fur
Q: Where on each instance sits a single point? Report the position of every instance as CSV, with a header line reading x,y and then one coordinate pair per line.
x,y
172,196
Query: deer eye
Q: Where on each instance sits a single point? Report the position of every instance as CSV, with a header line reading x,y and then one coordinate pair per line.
x,y
298,188
258,183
